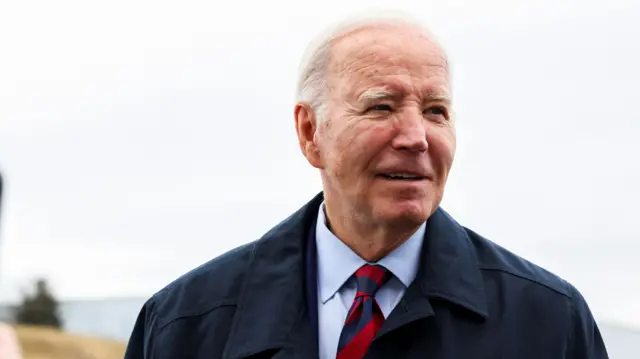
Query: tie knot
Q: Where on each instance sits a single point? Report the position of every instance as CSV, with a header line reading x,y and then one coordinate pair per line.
x,y
370,278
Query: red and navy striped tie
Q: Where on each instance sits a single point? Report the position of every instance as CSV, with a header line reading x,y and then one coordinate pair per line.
x,y
365,317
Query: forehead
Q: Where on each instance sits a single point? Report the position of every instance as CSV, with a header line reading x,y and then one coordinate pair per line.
x,y
399,59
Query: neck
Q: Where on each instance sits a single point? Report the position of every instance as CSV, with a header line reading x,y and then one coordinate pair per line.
x,y
371,240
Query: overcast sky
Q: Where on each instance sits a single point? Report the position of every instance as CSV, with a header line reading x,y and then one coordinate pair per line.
x,y
141,138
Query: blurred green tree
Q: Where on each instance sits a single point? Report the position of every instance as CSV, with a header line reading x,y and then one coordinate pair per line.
x,y
40,308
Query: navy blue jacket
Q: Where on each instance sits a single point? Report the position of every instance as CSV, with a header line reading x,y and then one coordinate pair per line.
x,y
471,299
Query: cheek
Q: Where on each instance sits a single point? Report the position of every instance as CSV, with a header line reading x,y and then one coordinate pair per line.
x,y
354,147
334,148
363,143
443,147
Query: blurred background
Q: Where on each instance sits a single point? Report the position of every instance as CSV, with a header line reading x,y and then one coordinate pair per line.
x,y
136,136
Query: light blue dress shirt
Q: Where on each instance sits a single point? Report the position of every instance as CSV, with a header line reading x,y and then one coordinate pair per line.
x,y
337,288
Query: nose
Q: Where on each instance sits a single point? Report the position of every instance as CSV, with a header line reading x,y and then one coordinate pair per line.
x,y
411,132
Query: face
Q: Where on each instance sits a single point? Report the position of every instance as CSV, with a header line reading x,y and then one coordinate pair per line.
x,y
386,143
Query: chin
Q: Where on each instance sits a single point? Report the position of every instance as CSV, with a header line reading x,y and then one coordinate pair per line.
x,y
405,212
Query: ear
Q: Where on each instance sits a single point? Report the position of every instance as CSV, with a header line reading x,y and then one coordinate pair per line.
x,y
306,126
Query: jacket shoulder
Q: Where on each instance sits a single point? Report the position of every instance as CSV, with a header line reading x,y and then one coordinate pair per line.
x,y
213,284
583,336
493,257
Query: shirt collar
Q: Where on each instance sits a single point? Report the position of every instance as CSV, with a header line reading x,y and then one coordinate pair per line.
x,y
337,262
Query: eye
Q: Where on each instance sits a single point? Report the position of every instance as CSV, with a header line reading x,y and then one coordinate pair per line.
x,y
436,111
380,107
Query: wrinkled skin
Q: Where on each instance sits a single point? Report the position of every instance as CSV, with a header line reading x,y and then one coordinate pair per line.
x,y
388,110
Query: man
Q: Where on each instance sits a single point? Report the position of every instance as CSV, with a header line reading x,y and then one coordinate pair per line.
x,y
372,266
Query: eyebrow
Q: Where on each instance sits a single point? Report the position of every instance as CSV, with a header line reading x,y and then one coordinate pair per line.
x,y
381,93
377,94
438,97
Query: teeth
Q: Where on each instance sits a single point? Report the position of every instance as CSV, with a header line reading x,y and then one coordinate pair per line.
x,y
402,175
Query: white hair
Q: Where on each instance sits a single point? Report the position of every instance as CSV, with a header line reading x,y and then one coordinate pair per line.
x,y
312,79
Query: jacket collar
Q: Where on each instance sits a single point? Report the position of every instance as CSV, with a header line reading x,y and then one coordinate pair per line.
x,y
272,310
450,268
449,272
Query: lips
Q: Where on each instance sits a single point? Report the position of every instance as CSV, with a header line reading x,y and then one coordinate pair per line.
x,y
402,176
403,173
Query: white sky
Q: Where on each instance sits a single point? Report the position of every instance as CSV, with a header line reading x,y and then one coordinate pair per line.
x,y
138,138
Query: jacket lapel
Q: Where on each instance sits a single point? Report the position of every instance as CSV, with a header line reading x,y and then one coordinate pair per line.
x,y
298,344
448,271
272,314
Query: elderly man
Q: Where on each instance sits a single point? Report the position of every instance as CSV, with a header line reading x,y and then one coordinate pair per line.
x,y
371,267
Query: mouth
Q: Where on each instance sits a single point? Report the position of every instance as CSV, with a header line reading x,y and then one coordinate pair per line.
x,y
401,176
